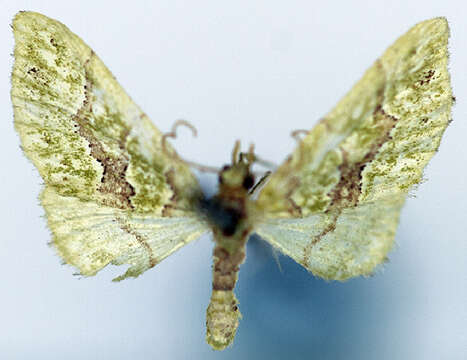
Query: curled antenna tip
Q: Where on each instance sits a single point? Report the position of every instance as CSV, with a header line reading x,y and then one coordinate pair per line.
x,y
296,134
182,122
173,134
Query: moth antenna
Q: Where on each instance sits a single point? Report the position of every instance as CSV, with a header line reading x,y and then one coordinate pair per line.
x,y
297,133
259,183
265,163
201,167
173,134
253,158
296,136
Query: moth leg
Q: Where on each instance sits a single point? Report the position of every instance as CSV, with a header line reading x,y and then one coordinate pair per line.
x,y
259,183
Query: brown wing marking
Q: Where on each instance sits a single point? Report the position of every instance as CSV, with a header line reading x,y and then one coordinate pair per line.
x,y
113,182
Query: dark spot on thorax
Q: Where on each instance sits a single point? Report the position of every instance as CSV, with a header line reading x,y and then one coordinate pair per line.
x,y
248,182
220,215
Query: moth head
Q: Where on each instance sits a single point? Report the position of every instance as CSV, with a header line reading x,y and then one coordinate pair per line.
x,y
238,175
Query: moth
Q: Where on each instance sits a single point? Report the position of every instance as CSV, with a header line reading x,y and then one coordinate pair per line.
x,y
115,191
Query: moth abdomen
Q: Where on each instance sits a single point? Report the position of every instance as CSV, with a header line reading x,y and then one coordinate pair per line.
x,y
222,314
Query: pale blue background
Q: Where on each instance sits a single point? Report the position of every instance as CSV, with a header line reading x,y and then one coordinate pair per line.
x,y
249,70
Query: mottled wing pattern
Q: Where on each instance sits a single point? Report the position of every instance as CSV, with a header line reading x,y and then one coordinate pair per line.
x,y
334,205
112,195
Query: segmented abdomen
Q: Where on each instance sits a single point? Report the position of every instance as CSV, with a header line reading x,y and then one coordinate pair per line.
x,y
222,315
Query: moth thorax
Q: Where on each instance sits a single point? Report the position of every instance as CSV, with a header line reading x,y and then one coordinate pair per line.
x,y
236,178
